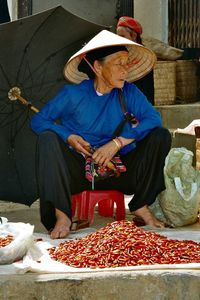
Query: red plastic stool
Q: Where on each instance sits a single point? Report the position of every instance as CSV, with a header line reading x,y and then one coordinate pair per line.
x,y
86,201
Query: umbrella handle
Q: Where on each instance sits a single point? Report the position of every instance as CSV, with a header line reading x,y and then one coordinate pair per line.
x,y
15,94
25,102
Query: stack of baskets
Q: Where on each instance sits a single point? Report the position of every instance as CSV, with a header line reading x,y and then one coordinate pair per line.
x,y
175,82
165,82
186,81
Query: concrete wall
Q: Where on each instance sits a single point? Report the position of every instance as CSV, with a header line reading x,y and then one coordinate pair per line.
x,y
12,6
97,11
153,15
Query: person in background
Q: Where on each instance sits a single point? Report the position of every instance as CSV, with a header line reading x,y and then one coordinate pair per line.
x,y
89,112
131,29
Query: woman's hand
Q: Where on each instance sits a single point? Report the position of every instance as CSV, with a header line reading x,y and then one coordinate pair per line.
x,y
79,144
105,153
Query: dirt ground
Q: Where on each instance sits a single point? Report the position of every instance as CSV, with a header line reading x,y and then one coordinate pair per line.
x,y
22,213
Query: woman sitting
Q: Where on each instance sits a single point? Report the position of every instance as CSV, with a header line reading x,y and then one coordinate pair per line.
x,y
89,112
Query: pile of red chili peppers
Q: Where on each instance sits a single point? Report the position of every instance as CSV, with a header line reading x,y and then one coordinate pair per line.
x,y
121,244
5,240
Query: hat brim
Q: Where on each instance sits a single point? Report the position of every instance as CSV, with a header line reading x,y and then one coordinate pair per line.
x,y
141,59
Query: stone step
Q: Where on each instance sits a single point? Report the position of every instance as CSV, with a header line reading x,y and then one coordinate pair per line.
x,y
179,116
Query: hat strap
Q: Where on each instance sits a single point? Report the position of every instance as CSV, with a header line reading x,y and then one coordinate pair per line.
x,y
83,56
91,66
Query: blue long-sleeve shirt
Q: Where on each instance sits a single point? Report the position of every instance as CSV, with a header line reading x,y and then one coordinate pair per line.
x,y
81,111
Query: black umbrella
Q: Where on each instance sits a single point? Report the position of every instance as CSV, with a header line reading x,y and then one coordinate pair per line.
x,y
4,13
32,56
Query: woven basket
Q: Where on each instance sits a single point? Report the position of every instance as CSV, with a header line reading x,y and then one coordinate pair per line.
x,y
198,154
186,81
165,82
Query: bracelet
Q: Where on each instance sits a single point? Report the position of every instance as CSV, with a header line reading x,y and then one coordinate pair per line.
x,y
117,144
120,141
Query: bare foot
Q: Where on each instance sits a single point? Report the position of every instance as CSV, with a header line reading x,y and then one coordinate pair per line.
x,y
149,219
62,227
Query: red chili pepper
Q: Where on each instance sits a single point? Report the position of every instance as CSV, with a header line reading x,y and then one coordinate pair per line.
x,y
120,244
5,240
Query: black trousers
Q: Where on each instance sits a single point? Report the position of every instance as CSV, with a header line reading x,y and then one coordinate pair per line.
x,y
61,173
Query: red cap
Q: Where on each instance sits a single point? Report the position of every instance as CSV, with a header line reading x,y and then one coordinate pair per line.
x,y
131,23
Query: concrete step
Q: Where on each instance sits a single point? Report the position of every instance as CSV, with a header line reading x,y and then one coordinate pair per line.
x,y
173,284
179,116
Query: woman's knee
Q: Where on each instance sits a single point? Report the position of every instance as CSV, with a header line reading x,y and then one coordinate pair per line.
x,y
48,142
47,137
162,135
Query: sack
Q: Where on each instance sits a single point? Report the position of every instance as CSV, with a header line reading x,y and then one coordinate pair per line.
x,y
180,201
22,240
94,172
162,50
190,129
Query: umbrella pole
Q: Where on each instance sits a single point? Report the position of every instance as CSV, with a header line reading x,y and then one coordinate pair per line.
x,y
15,94
25,102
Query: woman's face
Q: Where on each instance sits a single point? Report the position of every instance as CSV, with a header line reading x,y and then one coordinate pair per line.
x,y
114,69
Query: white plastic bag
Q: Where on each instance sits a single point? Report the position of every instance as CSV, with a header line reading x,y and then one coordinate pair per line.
x,y
180,201
22,240
3,220
190,128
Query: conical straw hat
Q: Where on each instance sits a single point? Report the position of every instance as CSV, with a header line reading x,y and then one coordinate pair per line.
x,y
141,59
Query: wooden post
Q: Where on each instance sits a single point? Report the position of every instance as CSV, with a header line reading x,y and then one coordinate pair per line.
x,y
197,134
198,154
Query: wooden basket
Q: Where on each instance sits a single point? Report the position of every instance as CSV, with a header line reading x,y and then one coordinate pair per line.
x,y
186,81
165,83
